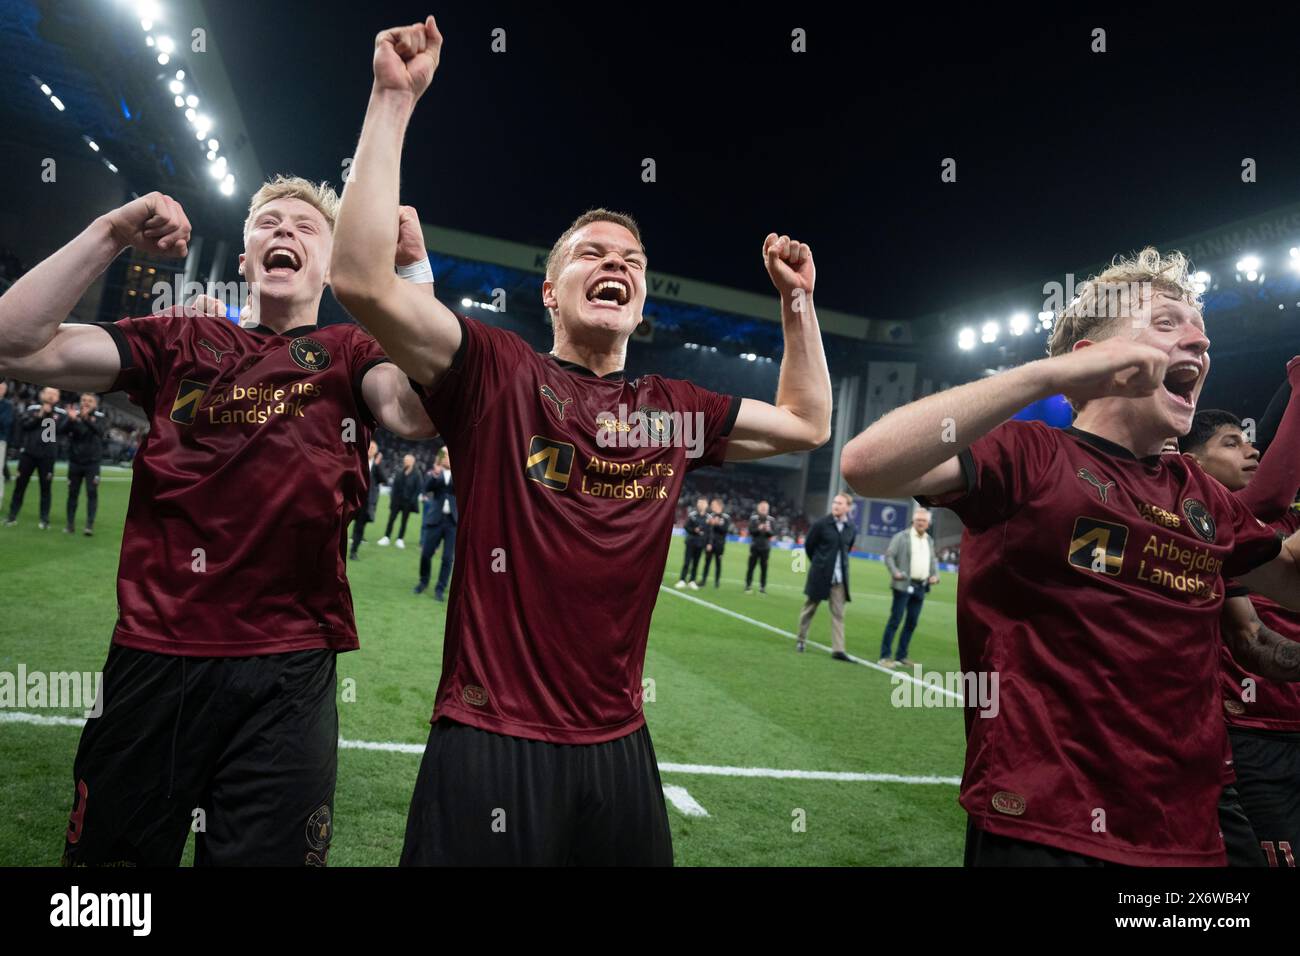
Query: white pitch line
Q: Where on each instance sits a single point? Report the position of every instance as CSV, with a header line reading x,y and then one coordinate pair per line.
x,y
58,720
794,637
683,801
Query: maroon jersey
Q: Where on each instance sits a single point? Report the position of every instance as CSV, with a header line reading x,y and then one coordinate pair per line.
x,y
1263,704
1091,585
566,514
254,462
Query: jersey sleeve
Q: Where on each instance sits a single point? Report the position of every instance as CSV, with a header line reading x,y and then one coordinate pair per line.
x,y
484,363
999,471
1253,542
366,354
719,417
146,348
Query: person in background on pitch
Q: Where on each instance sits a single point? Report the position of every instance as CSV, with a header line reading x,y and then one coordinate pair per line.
x,y
760,547
827,546
38,429
697,535
6,428
719,524
913,569
87,425
403,499
367,514
439,525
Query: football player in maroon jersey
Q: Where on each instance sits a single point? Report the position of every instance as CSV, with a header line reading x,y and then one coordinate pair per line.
x,y
219,689
568,474
1092,579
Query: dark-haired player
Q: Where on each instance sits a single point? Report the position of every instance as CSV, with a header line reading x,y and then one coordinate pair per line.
x,y
219,689
568,474
761,529
1092,580
1261,701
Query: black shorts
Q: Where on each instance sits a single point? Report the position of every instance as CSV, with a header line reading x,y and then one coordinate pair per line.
x,y
242,751
992,849
484,799
1239,840
1268,780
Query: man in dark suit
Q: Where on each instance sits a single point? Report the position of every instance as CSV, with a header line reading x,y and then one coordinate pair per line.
x,y
827,546
719,526
38,429
439,527
367,514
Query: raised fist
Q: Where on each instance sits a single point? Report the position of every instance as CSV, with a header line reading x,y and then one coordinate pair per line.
x,y
790,264
154,223
410,239
406,57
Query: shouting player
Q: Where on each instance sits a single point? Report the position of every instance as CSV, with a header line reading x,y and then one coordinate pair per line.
x,y
1092,579
219,689
568,473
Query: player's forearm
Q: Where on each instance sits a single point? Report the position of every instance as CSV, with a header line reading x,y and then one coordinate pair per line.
x,y
1270,495
365,235
1263,651
30,312
804,385
889,457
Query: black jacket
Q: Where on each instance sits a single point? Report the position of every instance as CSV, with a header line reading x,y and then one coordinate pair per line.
x,y
31,431
761,528
406,489
697,532
378,475
821,545
718,531
439,490
87,445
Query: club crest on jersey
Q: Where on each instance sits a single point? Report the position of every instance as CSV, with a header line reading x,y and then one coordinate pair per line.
x,y
549,462
1096,482
1199,517
320,827
1012,804
188,398
558,403
658,423
309,354
474,695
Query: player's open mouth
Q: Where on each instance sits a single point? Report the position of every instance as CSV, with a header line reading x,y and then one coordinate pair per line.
x,y
615,291
281,261
1180,382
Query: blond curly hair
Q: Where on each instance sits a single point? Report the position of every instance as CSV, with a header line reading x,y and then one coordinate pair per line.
x,y
320,195
1122,291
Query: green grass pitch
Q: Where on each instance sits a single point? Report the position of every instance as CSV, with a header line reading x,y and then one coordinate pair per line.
x,y
727,693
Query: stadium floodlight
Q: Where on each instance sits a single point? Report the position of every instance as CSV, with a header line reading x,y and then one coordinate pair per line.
x,y
211,154
1018,323
1252,276
966,339
191,101
1248,263
166,44
180,74
989,331
176,86
45,89
92,144
228,185
213,144
58,103
163,59
148,41
1046,318
111,167
467,303
179,101
1201,280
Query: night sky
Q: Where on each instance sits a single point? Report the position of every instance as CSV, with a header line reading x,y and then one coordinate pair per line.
x,y
1064,157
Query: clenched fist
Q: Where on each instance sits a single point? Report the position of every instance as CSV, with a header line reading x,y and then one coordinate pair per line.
x,y
154,223
1115,366
790,264
406,57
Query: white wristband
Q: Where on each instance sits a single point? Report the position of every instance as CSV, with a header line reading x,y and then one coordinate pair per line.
x,y
417,271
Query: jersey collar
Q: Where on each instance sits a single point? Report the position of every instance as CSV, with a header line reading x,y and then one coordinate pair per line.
x,y
292,333
1109,447
615,376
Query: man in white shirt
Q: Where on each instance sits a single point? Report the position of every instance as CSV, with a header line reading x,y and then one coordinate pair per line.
x,y
913,568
